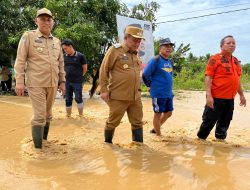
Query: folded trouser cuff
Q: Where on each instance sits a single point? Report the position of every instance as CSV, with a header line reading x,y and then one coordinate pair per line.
x,y
80,105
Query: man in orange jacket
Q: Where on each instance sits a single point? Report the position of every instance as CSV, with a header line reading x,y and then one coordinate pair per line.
x,y
222,82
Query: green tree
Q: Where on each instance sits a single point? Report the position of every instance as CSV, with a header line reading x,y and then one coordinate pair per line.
x,y
145,11
178,56
91,24
104,16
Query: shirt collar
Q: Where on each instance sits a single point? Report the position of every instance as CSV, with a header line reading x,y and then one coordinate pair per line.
x,y
126,49
163,57
41,35
75,54
228,56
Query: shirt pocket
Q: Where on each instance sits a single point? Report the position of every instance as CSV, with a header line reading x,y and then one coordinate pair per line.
x,y
40,49
124,63
226,69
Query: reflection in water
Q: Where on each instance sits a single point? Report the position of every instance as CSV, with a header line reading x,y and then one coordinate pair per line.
x,y
138,168
210,168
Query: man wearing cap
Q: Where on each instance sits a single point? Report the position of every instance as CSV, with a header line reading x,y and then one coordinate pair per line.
x,y
40,63
75,65
222,83
158,77
120,84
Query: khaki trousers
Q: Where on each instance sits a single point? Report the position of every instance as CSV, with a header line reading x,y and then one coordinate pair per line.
x,y
117,109
42,100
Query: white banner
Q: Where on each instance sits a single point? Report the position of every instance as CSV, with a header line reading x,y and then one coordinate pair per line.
x,y
146,49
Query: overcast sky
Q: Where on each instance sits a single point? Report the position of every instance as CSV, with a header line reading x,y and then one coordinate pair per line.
x,y
204,34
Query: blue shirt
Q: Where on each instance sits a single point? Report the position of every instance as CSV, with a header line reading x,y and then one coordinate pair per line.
x,y
158,75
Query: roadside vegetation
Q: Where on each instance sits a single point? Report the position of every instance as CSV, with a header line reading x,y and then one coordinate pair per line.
x,y
91,24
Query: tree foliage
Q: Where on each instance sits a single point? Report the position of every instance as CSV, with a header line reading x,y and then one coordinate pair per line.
x,y
145,11
91,24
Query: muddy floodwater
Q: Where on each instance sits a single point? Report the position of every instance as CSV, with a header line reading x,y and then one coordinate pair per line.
x,y
75,157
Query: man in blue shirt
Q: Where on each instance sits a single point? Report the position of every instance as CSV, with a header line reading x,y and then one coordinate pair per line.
x,y
75,66
158,77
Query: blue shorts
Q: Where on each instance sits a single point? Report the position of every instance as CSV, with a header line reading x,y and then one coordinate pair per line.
x,y
161,105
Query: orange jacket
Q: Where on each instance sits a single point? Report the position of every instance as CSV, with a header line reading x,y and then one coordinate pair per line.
x,y
225,72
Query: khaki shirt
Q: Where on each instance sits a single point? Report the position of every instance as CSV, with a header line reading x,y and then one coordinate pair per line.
x,y
120,74
39,60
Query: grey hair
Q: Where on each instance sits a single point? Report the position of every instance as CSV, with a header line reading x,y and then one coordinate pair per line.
x,y
223,39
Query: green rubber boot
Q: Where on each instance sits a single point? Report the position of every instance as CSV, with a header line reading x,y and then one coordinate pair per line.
x,y
108,134
137,135
46,130
37,135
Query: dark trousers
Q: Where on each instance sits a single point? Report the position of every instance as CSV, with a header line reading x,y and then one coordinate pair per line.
x,y
75,88
9,83
221,115
4,85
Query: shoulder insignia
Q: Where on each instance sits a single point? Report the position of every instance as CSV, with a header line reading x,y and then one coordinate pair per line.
x,y
25,35
29,31
117,45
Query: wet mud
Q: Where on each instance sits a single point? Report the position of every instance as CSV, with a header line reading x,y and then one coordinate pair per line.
x,y
75,157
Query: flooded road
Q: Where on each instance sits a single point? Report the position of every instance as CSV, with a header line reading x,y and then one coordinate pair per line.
x,y
75,157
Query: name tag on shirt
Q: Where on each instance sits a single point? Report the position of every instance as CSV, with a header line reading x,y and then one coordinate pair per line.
x,y
39,41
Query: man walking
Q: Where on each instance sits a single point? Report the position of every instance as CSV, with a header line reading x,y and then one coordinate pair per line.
x,y
40,62
120,84
158,76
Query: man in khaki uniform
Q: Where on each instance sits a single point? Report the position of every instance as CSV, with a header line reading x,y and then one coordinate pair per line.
x,y
120,84
40,63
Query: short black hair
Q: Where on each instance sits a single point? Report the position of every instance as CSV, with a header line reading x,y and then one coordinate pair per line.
x,y
68,42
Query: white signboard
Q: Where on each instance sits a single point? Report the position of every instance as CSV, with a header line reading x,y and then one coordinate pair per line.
x,y
146,49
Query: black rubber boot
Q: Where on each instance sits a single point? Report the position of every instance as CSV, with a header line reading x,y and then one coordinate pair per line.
x,y
108,134
46,130
137,135
37,135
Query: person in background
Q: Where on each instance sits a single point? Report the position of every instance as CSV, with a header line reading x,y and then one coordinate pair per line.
x,y
158,76
5,73
40,62
120,84
75,65
222,83
9,81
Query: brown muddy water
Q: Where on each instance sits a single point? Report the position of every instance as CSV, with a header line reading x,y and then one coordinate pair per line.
x,y
75,157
